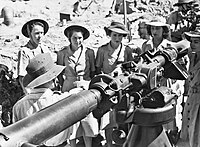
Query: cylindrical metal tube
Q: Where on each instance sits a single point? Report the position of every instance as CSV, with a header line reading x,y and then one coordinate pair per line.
x,y
52,120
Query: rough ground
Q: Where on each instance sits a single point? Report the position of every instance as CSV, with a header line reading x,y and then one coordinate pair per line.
x,y
93,18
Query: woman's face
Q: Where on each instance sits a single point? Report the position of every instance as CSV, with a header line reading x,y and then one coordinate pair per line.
x,y
116,38
142,30
36,34
157,31
76,39
195,44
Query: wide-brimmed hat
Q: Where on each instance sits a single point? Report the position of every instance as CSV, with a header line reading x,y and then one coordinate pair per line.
x,y
25,26
85,31
158,22
195,34
180,2
40,70
116,27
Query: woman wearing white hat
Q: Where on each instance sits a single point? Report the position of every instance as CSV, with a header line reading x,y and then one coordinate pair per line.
x,y
190,131
160,33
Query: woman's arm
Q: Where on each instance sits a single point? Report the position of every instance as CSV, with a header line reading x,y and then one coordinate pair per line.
x,y
23,61
92,63
99,61
60,61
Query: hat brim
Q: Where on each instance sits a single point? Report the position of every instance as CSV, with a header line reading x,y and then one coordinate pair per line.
x,y
85,31
160,24
193,34
117,30
178,4
30,82
24,28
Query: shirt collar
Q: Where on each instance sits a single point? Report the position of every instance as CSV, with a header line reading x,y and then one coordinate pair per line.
x,y
72,52
111,48
31,46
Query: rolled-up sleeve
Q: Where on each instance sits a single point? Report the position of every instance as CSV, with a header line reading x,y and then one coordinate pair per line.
x,y
23,61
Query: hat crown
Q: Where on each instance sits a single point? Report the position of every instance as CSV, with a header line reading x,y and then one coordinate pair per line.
x,y
40,70
183,2
115,24
39,65
25,26
84,31
158,22
116,27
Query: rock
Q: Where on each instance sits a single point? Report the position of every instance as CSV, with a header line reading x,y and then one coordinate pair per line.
x,y
8,13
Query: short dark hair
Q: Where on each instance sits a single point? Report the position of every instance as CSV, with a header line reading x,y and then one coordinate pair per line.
x,y
30,26
166,31
72,31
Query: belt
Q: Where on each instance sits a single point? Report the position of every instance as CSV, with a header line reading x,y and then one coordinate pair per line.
x,y
194,90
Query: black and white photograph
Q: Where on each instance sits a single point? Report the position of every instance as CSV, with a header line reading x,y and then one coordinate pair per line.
x,y
99,73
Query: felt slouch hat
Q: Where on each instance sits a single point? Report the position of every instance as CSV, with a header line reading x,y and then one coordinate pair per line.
x,y
85,31
116,27
31,22
180,2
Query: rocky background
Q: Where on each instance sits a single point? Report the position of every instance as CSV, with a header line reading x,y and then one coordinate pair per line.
x,y
95,18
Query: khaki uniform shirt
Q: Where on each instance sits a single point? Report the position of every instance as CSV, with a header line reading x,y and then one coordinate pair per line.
x,y
26,53
107,56
79,64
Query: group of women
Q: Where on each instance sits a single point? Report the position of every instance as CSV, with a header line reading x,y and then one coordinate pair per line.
x,y
82,64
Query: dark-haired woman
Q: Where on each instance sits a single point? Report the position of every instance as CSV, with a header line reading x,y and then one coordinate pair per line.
x,y
108,58
160,33
114,52
79,61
